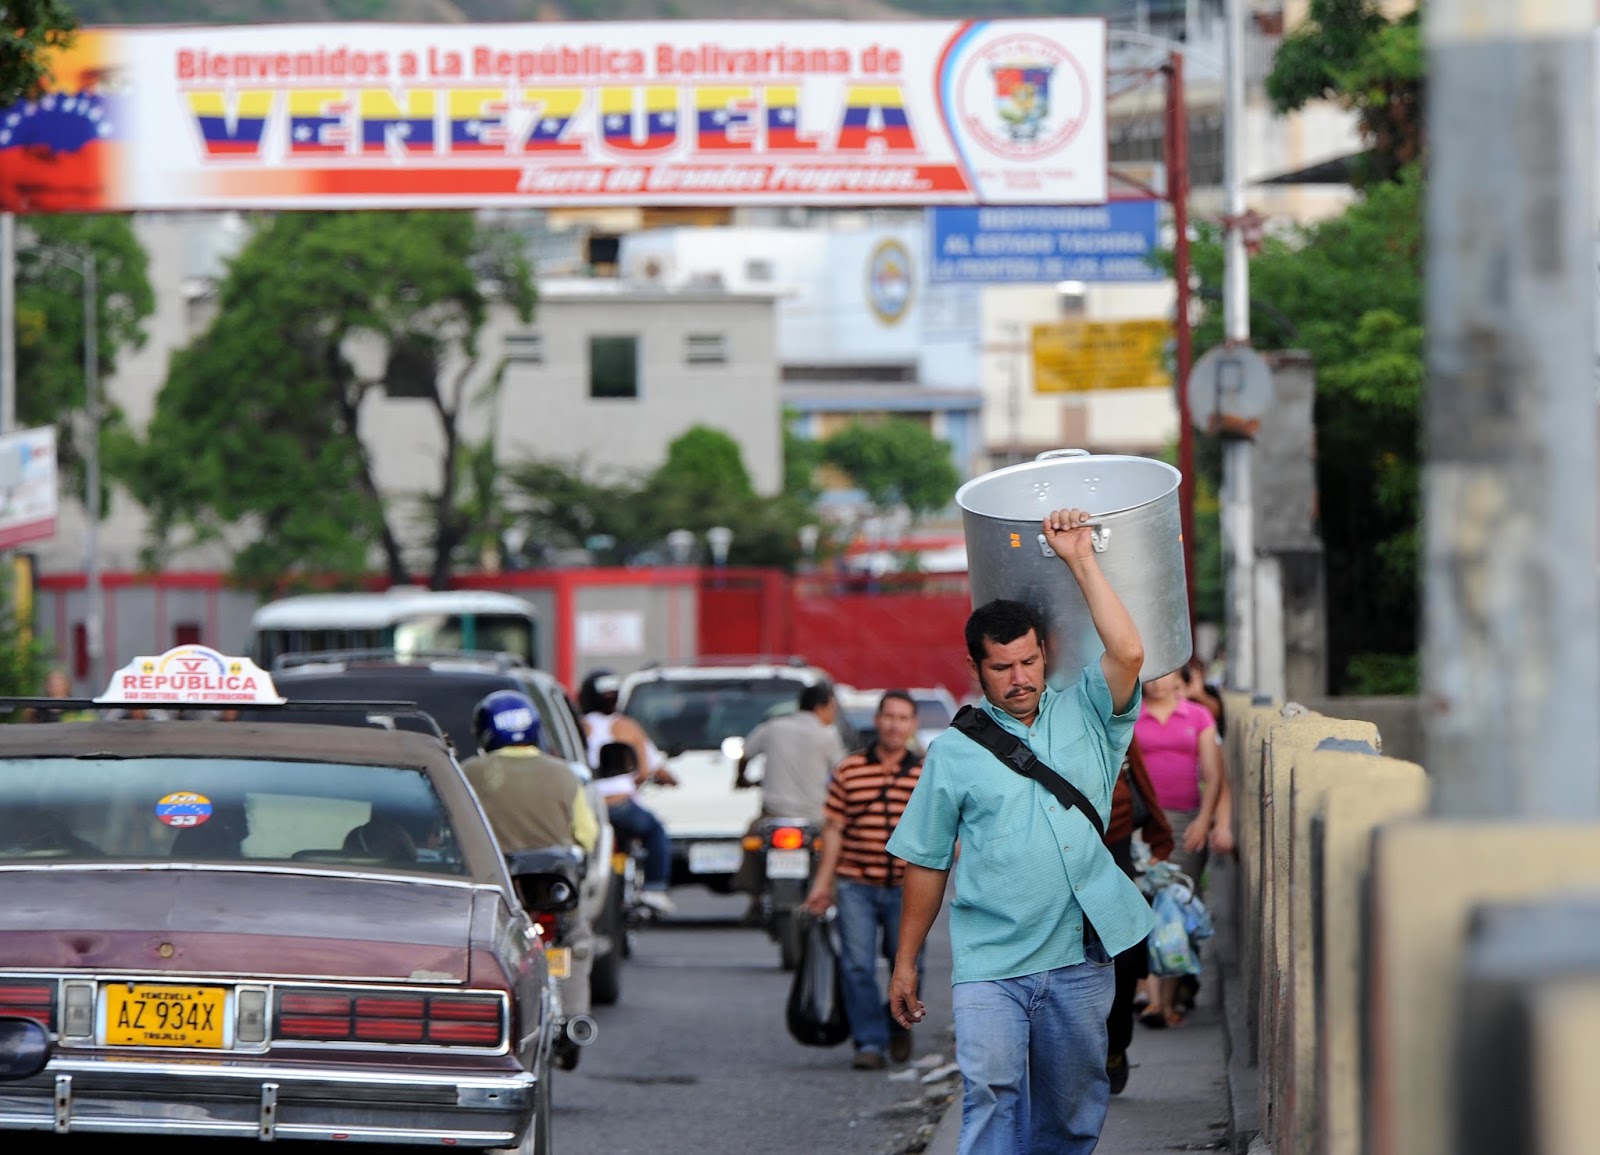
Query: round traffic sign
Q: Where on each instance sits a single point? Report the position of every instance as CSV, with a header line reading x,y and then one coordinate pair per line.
x,y
1229,388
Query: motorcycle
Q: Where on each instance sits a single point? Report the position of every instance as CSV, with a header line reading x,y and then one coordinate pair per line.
x,y
787,858
566,943
628,912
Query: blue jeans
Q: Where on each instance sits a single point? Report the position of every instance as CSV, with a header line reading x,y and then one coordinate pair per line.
x,y
631,820
864,911
1032,1052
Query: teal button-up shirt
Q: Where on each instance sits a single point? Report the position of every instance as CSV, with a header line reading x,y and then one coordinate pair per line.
x,y
1030,869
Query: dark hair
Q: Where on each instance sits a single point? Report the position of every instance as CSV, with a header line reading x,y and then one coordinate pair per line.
x,y
592,699
897,696
815,697
999,621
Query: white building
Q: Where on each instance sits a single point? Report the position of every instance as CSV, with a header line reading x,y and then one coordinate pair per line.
x,y
607,373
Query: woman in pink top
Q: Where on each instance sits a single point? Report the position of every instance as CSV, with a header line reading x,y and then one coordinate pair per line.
x,y
1178,738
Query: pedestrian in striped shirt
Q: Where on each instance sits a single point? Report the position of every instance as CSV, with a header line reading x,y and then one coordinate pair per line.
x,y
859,876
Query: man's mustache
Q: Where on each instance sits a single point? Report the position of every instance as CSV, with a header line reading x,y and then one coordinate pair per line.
x,y
1018,691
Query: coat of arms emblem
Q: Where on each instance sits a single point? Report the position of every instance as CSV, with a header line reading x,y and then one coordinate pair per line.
x,y
1022,98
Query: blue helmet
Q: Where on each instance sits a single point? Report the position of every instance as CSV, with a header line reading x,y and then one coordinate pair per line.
x,y
506,718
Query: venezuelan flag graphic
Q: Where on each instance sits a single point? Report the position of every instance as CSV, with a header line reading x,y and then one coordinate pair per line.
x,y
556,108
386,121
783,121
875,112
62,152
477,120
316,122
725,119
231,128
618,114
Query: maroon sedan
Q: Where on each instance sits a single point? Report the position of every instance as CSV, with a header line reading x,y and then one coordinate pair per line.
x,y
284,931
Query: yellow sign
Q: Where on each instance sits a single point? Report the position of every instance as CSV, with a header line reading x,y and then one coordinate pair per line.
x,y
1077,356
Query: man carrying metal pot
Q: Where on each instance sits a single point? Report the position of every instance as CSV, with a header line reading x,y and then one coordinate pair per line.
x,y
1023,783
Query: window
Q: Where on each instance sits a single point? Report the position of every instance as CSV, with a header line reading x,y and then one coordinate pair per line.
x,y
527,348
613,367
206,809
413,368
706,349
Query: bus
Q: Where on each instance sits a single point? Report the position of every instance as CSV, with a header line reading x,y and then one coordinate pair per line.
x,y
405,619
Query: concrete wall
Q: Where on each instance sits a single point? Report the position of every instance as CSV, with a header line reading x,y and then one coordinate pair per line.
x,y
1377,1013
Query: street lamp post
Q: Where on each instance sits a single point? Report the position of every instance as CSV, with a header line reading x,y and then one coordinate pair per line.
x,y
84,266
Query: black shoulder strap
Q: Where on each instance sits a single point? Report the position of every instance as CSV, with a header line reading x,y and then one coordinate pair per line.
x,y
1017,755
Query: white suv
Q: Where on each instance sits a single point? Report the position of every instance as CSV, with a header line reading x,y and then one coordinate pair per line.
x,y
699,717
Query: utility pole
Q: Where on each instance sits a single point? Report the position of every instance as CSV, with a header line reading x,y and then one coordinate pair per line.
x,y
1511,651
8,323
1238,516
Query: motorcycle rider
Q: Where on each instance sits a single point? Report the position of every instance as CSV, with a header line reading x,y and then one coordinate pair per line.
x,y
597,700
801,749
532,801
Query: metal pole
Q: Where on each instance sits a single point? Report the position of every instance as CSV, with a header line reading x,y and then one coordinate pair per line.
x,y
8,322
1511,651
1177,150
1238,518
91,408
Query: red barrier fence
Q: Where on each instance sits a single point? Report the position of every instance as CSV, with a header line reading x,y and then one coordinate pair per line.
x,y
900,630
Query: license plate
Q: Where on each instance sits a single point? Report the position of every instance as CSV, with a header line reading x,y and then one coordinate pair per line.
x,y
560,960
715,857
788,863
164,1016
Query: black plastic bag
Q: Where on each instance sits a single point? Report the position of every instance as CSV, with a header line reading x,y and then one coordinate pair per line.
x,y
816,1014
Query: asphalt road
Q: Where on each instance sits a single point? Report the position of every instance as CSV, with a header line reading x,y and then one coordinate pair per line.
x,y
695,1058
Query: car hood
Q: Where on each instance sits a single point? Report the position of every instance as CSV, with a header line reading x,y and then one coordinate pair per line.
x,y
238,922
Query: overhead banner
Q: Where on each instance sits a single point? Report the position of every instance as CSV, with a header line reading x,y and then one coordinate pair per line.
x,y
1015,245
322,116
1077,356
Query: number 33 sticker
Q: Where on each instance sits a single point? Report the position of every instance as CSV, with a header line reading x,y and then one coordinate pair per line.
x,y
183,808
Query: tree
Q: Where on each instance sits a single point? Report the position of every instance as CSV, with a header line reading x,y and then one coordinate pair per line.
x,y
259,424
895,462
1349,291
50,329
29,31
1350,52
701,484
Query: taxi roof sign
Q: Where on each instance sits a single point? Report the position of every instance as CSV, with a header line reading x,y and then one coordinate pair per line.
x,y
191,676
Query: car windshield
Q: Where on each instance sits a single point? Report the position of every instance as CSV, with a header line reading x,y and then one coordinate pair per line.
x,y
170,809
699,713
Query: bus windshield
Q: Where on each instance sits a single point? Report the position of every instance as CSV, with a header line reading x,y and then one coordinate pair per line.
x,y
373,622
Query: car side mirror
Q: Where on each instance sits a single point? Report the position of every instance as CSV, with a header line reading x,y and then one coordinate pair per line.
x,y
24,1048
617,759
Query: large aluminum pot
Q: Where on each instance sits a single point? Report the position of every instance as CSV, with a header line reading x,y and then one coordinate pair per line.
x,y
1138,540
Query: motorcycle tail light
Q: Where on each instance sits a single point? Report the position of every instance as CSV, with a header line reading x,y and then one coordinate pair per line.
x,y
788,838
30,1000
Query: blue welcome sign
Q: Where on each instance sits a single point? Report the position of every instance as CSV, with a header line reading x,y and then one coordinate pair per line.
x,y
1009,245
